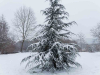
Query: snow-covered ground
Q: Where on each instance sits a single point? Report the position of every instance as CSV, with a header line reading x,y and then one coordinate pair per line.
x,y
10,65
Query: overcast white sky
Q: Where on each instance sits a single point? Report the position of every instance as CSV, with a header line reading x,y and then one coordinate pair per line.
x,y
85,12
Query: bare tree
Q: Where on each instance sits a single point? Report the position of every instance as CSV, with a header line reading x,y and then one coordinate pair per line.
x,y
81,41
83,44
24,22
96,34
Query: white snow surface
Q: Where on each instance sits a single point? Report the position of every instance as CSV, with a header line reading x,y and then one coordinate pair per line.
x,y
10,65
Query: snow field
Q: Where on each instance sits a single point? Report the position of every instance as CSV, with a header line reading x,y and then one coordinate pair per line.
x,y
10,65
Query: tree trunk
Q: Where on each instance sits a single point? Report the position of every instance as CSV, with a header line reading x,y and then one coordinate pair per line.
x,y
22,46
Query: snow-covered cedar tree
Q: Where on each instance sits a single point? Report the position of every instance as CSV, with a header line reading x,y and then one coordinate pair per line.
x,y
52,54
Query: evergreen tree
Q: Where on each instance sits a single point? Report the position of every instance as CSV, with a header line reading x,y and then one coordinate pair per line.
x,y
52,55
